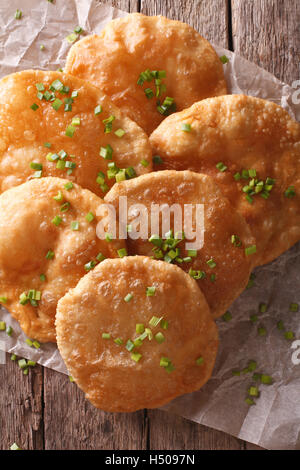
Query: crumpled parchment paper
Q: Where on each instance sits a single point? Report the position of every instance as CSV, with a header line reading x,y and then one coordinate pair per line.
x,y
274,422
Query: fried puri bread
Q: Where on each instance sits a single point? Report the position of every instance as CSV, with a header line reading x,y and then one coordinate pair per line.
x,y
46,246
252,149
56,121
135,333
221,264
128,47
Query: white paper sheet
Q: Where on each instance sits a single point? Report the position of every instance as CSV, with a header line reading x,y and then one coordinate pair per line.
x,y
274,422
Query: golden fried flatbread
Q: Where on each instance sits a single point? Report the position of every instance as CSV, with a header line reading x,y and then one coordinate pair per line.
x,y
221,265
46,246
127,47
27,130
252,149
128,350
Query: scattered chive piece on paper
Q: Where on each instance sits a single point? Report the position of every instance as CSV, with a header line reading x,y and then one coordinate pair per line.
x,y
224,59
263,307
262,331
289,335
227,317
18,15
294,307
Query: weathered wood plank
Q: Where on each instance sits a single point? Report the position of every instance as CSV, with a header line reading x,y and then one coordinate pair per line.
x,y
71,422
207,17
125,5
267,32
169,432
21,407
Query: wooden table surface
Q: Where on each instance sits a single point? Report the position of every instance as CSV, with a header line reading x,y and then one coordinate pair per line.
x,y
44,410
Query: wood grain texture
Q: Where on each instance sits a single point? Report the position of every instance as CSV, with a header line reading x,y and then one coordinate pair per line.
x,y
125,5
209,17
168,432
267,32
71,422
21,406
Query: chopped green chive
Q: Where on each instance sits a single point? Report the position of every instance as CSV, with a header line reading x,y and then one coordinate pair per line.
x,y
13,357
250,250
280,325
75,225
118,341
294,307
57,104
106,152
249,401
18,15
164,324
29,342
290,192
128,298
65,207
119,133
150,291
159,337
211,263
78,30
254,318
90,265
221,167
237,176
72,37
36,344
57,220
236,241
70,130
108,124
43,277
69,186
155,321
34,107
59,197
145,163
129,345
108,237
98,110
289,335
50,255
22,363
75,121
2,326
3,300
262,331
227,316
89,217
106,335
224,59
263,307
47,144
42,47
122,252
136,357
140,328
199,361
186,127
157,160
266,379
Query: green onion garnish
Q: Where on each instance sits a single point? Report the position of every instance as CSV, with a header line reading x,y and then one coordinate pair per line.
x,y
106,152
122,252
186,127
50,255
3,300
140,328
266,379
155,321
211,263
59,197
129,345
145,163
34,107
289,335
119,133
224,59
18,15
106,335
57,104
294,307
250,250
57,220
221,167
263,307
157,160
159,337
128,298
262,331
136,357
69,186
70,130
199,361
89,217
43,277
2,326
290,192
75,225
227,316
150,291
98,110
118,341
